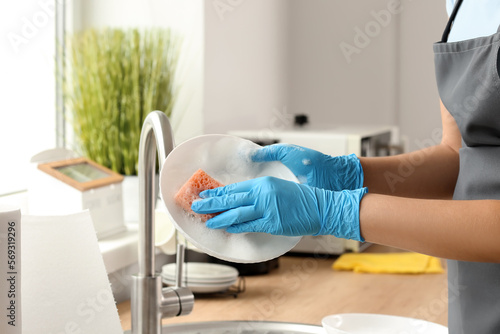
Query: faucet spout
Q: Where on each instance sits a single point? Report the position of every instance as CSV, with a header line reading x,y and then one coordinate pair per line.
x,y
150,302
156,136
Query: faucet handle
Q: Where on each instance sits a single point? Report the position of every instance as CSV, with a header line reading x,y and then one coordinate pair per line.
x,y
179,265
178,300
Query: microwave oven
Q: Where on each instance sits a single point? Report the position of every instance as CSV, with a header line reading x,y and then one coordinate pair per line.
x,y
362,140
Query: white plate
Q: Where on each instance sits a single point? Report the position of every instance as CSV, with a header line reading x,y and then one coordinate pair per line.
x,y
203,288
227,159
360,323
202,272
165,237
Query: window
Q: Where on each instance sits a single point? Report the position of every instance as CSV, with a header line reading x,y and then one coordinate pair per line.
x,y
27,87
28,115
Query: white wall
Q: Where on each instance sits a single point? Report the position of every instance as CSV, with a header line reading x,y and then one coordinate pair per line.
x,y
267,60
339,75
245,63
422,24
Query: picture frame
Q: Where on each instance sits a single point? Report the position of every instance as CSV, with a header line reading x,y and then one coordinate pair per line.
x,y
81,173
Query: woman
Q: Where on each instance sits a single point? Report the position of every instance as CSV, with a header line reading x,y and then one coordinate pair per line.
x,y
416,211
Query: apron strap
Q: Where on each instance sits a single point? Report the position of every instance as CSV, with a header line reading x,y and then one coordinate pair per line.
x,y
447,30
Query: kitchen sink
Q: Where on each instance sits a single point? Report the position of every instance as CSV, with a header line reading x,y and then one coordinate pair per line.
x,y
241,327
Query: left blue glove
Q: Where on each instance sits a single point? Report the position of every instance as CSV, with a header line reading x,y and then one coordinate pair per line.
x,y
280,207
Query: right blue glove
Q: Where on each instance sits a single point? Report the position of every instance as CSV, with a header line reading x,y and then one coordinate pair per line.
x,y
280,207
315,168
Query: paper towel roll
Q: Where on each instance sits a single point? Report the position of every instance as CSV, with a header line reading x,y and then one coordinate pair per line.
x,y
65,284
10,269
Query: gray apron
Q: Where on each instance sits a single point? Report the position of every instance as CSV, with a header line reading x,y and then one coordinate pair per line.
x,y
469,85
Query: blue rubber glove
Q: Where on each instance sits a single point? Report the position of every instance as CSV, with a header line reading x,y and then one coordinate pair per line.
x,y
280,207
315,168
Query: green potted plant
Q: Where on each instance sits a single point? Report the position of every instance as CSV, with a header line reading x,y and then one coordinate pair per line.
x,y
115,78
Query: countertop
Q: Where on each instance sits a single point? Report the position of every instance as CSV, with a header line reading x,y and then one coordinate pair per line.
x,y
305,289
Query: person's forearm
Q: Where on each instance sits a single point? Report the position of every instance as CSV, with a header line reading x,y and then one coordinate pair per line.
x,y
461,230
428,173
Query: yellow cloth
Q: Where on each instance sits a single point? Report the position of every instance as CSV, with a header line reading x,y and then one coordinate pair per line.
x,y
389,263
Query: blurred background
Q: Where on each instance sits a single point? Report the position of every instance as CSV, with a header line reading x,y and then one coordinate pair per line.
x,y
242,65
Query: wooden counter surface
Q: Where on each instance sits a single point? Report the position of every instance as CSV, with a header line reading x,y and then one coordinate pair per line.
x,y
305,289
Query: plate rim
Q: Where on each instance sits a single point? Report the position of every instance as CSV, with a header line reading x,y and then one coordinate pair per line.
x,y
234,271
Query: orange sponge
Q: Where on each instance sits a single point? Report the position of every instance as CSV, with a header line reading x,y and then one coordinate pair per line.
x,y
190,191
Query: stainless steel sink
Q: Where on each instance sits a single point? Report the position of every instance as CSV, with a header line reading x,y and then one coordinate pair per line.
x,y
241,327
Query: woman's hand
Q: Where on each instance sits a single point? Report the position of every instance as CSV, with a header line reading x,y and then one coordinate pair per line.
x,y
280,207
315,168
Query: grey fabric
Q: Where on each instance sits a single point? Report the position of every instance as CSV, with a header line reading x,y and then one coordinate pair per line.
x,y
469,86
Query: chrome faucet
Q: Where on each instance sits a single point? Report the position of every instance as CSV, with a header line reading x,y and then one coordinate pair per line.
x,y
149,301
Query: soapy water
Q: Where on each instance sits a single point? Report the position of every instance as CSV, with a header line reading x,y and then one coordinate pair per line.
x,y
216,242
240,166
197,220
306,162
197,228
230,161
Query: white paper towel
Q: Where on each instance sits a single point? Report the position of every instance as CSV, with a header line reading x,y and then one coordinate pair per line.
x,y
65,288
